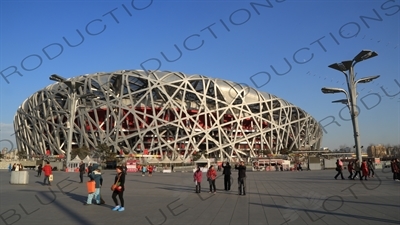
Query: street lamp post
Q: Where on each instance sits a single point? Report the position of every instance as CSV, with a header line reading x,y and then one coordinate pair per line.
x,y
351,94
73,101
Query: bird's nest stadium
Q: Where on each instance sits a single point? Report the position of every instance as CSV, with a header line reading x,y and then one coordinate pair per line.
x,y
162,113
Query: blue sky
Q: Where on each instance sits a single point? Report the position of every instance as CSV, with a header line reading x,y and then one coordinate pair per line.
x,y
243,41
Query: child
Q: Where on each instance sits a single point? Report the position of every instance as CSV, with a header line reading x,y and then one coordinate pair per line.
x,y
144,169
39,172
98,179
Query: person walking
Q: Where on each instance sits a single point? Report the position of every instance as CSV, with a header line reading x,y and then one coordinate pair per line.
x,y
144,169
211,176
241,177
371,168
9,167
396,169
81,171
350,169
119,181
98,179
125,168
227,176
299,167
47,172
39,170
90,169
339,169
357,169
150,170
364,169
197,177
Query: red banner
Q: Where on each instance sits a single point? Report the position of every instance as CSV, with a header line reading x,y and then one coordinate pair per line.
x,y
131,166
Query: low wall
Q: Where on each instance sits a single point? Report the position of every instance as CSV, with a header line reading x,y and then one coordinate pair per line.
x,y
4,164
183,168
330,163
315,166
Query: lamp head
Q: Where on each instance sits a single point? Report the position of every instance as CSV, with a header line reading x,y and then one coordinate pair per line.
x,y
342,66
367,79
327,90
364,54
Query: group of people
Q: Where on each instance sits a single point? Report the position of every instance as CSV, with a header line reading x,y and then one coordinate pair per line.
x,y
212,175
15,167
47,169
363,171
144,169
118,187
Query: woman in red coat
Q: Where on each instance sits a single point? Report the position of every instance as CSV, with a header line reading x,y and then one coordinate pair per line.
x,y
211,176
150,170
364,169
197,177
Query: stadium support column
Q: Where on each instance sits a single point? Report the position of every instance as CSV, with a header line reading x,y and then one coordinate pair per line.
x,y
73,98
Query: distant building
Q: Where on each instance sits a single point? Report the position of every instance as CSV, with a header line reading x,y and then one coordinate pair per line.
x,y
376,151
11,154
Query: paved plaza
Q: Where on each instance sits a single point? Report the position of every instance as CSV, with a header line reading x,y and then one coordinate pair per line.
x,y
307,197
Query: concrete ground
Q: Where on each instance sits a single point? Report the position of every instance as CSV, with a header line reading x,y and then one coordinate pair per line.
x,y
307,197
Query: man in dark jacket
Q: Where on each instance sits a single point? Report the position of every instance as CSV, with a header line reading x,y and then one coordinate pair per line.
x,y
241,177
227,176
90,169
371,168
81,170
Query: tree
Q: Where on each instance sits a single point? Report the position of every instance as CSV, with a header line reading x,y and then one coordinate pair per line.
x,y
21,154
396,151
196,156
344,148
286,151
104,153
393,151
81,152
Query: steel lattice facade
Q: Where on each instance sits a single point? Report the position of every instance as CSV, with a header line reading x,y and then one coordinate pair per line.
x,y
163,113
